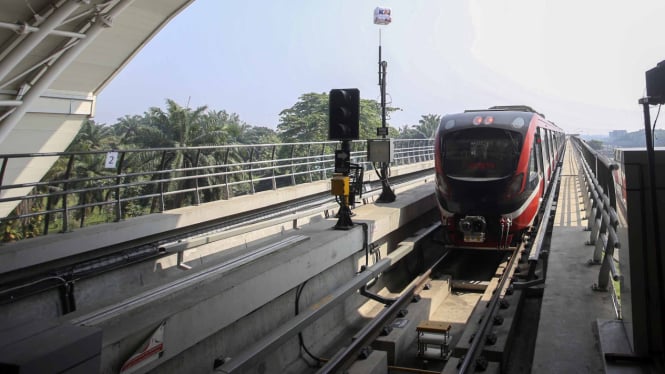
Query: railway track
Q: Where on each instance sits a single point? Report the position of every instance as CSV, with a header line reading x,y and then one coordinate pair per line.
x,y
455,269
478,294
491,311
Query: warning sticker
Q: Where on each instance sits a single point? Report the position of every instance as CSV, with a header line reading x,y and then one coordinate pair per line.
x,y
151,350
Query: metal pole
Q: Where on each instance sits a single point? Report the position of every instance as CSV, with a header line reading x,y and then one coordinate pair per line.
x,y
651,158
387,194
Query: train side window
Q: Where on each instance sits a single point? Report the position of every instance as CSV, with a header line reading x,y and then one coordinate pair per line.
x,y
545,144
533,169
538,154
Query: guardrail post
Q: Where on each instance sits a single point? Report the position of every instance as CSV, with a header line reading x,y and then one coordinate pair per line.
x,y
227,170
118,210
274,165
251,166
47,218
584,193
5,160
322,165
65,186
594,218
607,262
601,239
196,174
309,169
293,168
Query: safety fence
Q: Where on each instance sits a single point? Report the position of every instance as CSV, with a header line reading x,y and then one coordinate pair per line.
x,y
596,172
83,188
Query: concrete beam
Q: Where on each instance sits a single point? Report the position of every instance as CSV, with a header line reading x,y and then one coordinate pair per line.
x,y
218,299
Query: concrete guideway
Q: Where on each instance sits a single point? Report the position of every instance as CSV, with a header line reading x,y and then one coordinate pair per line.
x,y
197,312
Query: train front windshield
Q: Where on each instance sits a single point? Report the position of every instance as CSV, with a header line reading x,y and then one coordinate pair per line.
x,y
481,153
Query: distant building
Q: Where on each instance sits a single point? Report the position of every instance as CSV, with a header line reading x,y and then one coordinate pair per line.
x,y
618,134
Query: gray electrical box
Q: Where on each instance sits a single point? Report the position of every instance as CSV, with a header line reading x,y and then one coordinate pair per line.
x,y
49,347
380,150
639,256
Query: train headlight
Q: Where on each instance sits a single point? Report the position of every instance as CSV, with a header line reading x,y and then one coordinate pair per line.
x,y
477,120
473,228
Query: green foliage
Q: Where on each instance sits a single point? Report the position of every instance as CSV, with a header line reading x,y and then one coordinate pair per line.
x,y
425,129
595,144
177,128
307,119
93,136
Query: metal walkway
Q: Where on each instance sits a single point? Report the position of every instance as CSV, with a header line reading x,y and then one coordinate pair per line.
x,y
567,342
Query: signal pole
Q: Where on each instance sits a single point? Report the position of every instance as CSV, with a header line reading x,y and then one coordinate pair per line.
x,y
382,16
344,125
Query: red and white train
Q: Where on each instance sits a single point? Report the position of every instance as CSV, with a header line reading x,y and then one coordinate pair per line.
x,y
492,168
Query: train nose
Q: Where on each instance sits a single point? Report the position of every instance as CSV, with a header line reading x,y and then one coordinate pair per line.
x,y
473,228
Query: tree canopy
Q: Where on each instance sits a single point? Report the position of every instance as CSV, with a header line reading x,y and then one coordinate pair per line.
x,y
307,119
176,125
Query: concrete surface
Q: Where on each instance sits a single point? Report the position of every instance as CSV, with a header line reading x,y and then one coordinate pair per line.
x,y
202,310
567,340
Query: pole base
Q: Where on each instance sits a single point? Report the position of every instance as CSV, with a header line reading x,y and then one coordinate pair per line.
x,y
387,194
344,221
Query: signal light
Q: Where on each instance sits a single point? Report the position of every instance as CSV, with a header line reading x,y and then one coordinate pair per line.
x,y
344,114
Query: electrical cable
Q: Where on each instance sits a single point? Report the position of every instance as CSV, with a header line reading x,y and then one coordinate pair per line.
x,y
21,286
318,360
653,128
377,171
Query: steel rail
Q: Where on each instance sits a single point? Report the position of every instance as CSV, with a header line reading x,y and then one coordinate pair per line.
x,y
345,357
479,338
478,341
545,220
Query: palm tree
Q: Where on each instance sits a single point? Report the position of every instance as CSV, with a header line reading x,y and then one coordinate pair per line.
x,y
92,136
129,128
178,124
179,127
427,125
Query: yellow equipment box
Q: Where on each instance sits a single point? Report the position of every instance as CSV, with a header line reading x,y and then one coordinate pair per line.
x,y
340,185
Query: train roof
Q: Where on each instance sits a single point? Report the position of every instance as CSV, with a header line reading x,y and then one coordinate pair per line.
x,y
501,114
512,108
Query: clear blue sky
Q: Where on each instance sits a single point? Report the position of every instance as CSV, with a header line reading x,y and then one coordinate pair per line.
x,y
581,63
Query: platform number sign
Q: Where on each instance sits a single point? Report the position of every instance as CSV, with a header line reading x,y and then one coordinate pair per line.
x,y
111,160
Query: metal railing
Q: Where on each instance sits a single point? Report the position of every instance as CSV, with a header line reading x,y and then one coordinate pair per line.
x,y
599,202
120,184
